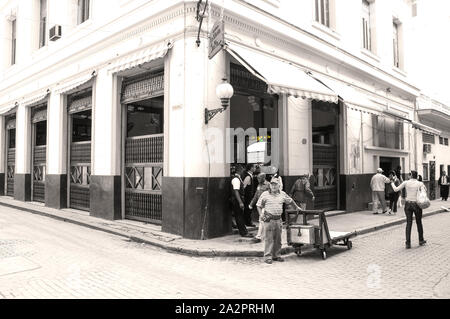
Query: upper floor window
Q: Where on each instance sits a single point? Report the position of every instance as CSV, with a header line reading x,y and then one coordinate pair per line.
x,y
428,138
366,25
323,12
388,133
13,41
443,140
42,23
83,10
396,44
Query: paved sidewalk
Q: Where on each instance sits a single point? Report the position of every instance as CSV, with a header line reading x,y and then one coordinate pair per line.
x,y
227,246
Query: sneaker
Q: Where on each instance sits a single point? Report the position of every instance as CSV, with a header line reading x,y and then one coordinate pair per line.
x,y
256,240
376,213
247,236
279,259
384,212
268,261
407,245
422,242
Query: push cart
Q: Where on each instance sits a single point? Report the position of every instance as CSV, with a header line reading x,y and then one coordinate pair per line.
x,y
300,233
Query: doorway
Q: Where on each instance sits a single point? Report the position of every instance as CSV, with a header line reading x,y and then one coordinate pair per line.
x,y
10,153
39,153
388,164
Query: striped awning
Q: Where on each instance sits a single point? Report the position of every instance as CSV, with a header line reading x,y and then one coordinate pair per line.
x,y
36,98
73,84
7,108
144,56
281,77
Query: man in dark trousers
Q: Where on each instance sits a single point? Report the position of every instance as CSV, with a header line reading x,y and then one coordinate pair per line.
x,y
249,192
393,196
444,183
237,201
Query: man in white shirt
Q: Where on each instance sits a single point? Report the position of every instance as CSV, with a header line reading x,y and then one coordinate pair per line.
x,y
378,184
444,185
412,187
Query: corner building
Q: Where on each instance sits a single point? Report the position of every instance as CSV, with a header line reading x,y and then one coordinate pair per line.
x,y
106,112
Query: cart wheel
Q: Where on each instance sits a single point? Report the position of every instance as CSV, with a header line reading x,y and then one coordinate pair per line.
x,y
298,251
349,245
324,254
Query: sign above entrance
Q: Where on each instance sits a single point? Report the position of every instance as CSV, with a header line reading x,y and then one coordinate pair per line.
x,y
216,38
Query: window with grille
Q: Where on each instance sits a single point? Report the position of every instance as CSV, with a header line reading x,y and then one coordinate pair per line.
x,y
366,27
428,138
83,10
13,42
42,23
323,12
396,44
388,133
443,140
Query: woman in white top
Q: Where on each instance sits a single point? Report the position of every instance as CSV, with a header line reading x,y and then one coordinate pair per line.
x,y
412,187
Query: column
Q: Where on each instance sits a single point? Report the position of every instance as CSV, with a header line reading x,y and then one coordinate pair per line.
x,y
56,177
192,80
22,178
2,155
105,187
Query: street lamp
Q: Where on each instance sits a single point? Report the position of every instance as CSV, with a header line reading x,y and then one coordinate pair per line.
x,y
224,92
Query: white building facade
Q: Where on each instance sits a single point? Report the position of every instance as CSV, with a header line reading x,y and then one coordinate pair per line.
x,y
106,112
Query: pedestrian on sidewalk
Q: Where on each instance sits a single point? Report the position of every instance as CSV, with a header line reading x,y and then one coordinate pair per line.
x,y
378,184
300,191
271,202
412,187
263,186
444,183
393,196
249,192
237,201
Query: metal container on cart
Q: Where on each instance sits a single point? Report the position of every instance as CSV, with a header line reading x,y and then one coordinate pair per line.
x,y
300,233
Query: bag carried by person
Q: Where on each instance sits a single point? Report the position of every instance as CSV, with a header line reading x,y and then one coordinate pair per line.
x,y
422,198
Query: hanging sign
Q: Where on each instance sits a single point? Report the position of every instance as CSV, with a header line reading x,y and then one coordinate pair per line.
x,y
216,38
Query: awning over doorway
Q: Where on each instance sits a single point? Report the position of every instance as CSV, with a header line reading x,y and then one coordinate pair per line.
x,y
425,128
73,84
280,76
144,56
350,96
36,98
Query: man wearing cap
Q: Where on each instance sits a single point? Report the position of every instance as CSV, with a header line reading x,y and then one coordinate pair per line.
x,y
272,202
378,184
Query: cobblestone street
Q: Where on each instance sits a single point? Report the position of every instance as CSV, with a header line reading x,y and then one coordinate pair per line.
x,y
44,258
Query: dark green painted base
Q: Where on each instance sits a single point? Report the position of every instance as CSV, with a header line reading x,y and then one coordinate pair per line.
x,y
2,184
355,192
22,187
106,196
56,191
184,201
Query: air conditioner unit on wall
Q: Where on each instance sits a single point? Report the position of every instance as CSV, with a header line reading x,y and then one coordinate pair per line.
x,y
55,32
427,148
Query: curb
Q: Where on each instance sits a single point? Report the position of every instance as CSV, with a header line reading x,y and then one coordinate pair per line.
x,y
170,247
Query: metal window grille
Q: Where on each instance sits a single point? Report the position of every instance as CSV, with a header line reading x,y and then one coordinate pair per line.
x,y
366,27
80,105
428,138
143,89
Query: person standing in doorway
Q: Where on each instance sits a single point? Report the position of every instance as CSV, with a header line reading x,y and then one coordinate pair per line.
x,y
237,201
412,186
444,183
271,202
249,192
300,192
263,186
378,184
393,196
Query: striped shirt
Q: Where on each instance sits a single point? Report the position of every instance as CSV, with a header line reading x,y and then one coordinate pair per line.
x,y
273,203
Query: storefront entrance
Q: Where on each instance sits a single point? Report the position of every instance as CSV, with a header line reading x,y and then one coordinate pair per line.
x,y
252,107
80,132
389,164
143,102
10,154
325,132
39,152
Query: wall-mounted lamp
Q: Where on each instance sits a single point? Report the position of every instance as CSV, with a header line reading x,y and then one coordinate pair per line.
x,y
224,92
